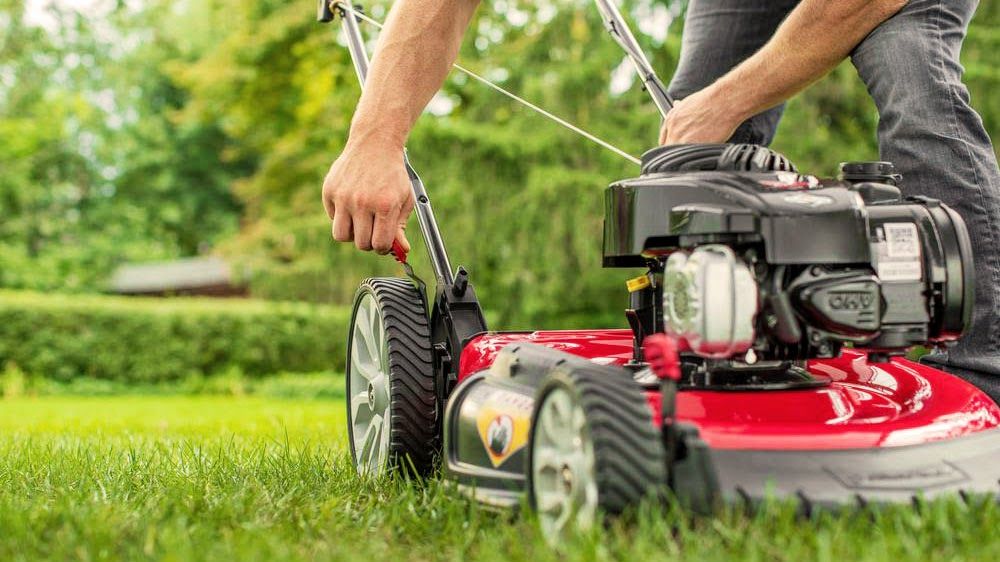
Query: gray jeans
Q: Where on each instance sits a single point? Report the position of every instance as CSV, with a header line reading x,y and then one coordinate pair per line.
x,y
910,65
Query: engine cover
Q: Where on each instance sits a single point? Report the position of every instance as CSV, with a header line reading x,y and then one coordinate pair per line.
x,y
755,255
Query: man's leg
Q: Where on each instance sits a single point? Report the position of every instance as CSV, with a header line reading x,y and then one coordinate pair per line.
x,y
928,129
718,35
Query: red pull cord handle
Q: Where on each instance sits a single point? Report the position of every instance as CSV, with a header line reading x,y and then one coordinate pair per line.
x,y
398,252
663,354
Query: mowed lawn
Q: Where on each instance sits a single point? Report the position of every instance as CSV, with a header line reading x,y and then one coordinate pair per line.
x,y
243,479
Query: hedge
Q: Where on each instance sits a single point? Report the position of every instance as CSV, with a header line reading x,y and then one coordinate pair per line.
x,y
146,340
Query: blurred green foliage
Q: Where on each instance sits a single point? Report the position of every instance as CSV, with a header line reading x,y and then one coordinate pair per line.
x,y
322,385
96,169
148,341
226,115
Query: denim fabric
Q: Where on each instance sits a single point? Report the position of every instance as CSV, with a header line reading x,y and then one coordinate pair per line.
x,y
910,65
718,35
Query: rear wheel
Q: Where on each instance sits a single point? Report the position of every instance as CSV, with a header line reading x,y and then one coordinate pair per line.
x,y
594,448
392,406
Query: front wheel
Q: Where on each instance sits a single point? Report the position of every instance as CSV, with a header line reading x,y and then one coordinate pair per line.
x,y
392,406
594,448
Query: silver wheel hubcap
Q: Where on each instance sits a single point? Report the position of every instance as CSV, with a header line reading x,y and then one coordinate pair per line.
x,y
562,466
368,384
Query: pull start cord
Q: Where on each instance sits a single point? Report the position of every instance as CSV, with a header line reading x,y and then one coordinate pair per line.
x,y
344,8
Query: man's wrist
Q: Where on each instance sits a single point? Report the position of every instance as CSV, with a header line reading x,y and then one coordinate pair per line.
x,y
375,135
734,102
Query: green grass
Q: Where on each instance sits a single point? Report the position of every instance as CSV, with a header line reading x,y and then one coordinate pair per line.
x,y
254,478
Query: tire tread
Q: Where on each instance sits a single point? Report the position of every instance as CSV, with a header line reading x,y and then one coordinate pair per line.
x,y
630,464
414,438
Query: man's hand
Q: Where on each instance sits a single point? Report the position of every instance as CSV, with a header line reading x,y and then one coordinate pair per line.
x,y
812,40
700,117
367,192
368,196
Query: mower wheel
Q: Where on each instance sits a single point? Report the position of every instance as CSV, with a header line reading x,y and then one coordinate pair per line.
x,y
594,449
392,406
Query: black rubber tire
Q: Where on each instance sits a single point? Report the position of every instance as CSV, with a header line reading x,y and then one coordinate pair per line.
x,y
629,458
414,437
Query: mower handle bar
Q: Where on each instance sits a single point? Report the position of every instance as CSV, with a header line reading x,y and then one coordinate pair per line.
x,y
622,35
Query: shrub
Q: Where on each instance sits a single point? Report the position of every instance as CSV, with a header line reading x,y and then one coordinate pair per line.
x,y
145,340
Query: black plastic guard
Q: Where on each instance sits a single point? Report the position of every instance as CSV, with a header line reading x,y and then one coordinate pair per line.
x,y
496,403
840,478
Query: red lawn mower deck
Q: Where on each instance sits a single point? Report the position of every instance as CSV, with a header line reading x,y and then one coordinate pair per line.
x,y
872,432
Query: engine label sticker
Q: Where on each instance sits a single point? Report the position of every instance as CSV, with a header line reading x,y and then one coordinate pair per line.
x,y
503,423
897,252
901,240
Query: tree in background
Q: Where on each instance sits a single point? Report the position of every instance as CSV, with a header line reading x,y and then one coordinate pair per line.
x,y
96,167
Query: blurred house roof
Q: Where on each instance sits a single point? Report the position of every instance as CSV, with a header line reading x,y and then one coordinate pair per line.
x,y
184,276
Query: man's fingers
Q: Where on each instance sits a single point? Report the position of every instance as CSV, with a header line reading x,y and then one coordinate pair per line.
x,y
342,231
363,223
404,216
404,213
401,237
331,209
384,229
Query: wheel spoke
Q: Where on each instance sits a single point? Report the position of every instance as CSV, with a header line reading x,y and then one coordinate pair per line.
x,y
383,448
547,460
564,514
564,435
549,502
586,511
579,421
363,447
363,365
360,412
590,499
376,441
549,426
577,459
561,406
361,322
365,322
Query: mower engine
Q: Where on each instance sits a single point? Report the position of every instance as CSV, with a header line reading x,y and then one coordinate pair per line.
x,y
750,260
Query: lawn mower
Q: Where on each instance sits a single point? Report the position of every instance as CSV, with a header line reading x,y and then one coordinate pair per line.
x,y
764,354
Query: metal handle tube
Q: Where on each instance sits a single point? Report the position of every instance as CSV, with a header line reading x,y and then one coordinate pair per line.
x,y
429,228
425,214
621,33
355,42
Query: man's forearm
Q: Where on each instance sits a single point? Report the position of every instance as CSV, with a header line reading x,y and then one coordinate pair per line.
x,y
414,52
816,37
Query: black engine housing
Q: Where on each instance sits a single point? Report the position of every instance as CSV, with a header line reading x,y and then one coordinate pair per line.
x,y
834,261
